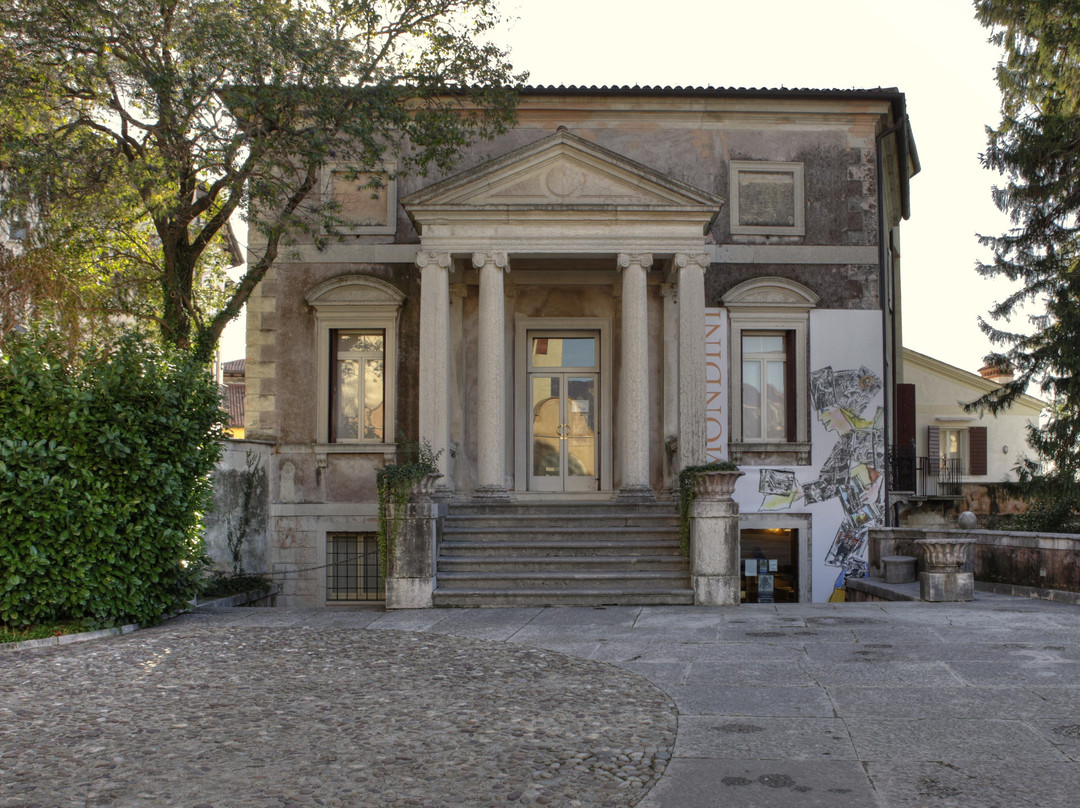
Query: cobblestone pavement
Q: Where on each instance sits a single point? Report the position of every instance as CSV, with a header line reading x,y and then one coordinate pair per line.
x,y
200,714
889,705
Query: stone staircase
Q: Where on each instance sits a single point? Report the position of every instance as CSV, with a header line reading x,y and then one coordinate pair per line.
x,y
568,553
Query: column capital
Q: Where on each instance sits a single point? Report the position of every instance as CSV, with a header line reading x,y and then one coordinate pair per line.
x,y
669,290
685,260
627,260
458,291
426,258
499,259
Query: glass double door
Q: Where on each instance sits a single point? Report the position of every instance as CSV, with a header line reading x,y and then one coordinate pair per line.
x,y
564,380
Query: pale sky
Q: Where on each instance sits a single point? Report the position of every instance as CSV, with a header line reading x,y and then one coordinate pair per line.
x,y
932,50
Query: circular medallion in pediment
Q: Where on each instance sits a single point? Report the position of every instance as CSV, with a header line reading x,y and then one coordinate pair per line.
x,y
564,181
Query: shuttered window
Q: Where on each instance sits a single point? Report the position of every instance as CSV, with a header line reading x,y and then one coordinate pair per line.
x,y
977,451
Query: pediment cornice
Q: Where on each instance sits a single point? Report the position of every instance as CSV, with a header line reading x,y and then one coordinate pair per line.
x,y
556,175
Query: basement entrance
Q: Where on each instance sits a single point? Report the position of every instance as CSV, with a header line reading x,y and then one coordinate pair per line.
x,y
769,565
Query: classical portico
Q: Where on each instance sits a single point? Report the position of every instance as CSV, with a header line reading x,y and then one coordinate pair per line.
x,y
558,254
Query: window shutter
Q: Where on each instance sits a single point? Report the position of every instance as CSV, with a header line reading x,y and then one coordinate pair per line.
x,y
791,399
977,451
933,449
905,416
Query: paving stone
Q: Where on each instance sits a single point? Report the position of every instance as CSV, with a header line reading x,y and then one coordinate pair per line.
x,y
974,784
765,701
951,739
974,705
936,702
1039,670
763,738
882,673
754,784
754,673
204,713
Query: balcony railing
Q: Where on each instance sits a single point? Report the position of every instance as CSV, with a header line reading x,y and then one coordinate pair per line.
x,y
925,476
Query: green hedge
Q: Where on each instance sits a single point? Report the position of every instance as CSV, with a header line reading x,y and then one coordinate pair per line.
x,y
104,474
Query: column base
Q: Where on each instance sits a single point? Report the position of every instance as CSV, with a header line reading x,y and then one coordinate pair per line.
x,y
946,587
409,593
635,493
716,590
442,493
493,493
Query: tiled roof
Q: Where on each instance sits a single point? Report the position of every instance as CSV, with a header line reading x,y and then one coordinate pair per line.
x,y
234,404
233,367
888,93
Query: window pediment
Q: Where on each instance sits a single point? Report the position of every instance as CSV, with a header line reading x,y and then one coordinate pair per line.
x,y
771,293
354,291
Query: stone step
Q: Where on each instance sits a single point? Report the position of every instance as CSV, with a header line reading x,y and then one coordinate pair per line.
x,y
564,520
619,580
542,532
564,597
562,564
573,548
548,509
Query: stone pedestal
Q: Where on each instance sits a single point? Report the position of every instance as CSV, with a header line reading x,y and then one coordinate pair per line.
x,y
899,569
942,579
946,587
714,542
411,575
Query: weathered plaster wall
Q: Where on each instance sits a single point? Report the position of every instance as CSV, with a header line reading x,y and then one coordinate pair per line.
x,y
838,286
241,483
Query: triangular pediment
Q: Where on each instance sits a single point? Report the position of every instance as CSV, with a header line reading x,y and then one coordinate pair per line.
x,y
566,172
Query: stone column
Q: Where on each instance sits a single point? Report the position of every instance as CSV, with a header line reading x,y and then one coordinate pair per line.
x,y
691,269
634,432
458,468
435,355
491,373
669,293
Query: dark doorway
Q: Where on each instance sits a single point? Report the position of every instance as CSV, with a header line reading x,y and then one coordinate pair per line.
x,y
769,565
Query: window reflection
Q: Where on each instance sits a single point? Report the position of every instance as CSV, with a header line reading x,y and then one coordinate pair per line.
x,y
358,396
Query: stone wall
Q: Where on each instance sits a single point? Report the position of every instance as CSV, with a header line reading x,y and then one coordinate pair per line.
x,y
241,476
1036,560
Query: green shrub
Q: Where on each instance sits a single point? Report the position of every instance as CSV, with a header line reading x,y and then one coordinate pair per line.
x,y
104,473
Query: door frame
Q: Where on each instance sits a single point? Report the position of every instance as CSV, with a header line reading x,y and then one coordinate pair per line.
x,y
522,327
802,522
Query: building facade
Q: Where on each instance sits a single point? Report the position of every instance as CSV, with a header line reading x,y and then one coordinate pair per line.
x,y
958,460
629,282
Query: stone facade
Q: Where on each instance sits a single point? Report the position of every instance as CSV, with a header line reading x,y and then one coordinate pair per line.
x,y
602,218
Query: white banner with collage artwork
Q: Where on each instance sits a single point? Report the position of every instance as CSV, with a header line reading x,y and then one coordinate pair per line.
x,y
842,491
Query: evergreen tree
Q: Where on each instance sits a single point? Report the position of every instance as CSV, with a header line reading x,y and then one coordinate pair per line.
x,y
1036,147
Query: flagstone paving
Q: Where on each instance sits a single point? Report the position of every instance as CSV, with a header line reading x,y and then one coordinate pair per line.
x,y
891,705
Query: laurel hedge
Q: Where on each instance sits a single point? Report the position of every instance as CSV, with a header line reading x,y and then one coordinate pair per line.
x,y
105,470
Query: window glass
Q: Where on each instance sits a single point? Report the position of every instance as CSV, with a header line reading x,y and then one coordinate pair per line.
x,y
764,394
358,386
565,352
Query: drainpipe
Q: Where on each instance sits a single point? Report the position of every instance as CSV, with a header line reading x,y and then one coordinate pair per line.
x,y
901,127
